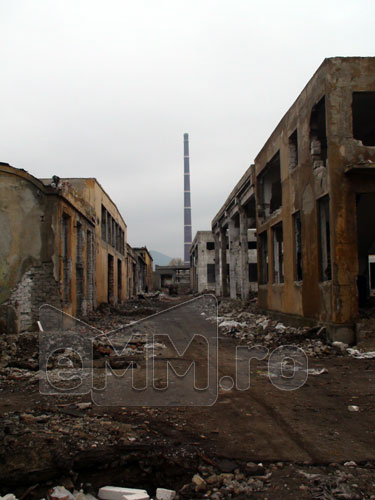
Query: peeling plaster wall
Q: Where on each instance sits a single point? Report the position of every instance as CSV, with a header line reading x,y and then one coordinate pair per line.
x,y
28,270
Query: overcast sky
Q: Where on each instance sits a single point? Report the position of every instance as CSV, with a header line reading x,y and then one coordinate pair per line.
x,y
106,89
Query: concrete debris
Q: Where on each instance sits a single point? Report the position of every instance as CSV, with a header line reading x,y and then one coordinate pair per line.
x,y
340,346
353,408
200,483
155,345
60,493
79,495
316,371
231,324
252,328
361,355
115,493
163,494
83,406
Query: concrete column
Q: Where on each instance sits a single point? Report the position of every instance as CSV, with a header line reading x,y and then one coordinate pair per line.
x,y
217,264
244,254
223,261
234,234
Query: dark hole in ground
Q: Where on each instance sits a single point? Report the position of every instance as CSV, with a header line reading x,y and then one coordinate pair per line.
x,y
143,469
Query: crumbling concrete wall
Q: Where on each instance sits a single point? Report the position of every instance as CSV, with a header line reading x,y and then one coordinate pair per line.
x,y
29,271
202,262
145,269
234,271
324,171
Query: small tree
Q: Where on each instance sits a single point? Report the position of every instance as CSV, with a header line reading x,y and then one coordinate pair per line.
x,y
176,261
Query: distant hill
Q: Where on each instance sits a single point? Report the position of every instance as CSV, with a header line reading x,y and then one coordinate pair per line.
x,y
160,259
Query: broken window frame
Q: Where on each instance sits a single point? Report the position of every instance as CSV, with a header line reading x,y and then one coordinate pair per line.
x,y
104,223
270,199
293,150
325,264
359,116
278,253
297,232
318,135
66,257
89,265
119,280
263,258
110,278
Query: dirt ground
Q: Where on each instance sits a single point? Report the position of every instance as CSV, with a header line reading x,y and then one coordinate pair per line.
x,y
314,442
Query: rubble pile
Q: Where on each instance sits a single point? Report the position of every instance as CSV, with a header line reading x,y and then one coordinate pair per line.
x,y
279,480
252,328
104,493
217,486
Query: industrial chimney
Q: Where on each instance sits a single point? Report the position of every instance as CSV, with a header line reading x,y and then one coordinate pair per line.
x,y
187,202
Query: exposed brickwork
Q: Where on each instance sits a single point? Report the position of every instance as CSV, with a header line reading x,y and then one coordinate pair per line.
x,y
37,287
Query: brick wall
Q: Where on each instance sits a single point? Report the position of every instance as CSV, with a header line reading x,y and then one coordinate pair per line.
x,y
37,287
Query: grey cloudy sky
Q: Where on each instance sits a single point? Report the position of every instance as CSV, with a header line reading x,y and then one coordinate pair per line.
x,y
106,89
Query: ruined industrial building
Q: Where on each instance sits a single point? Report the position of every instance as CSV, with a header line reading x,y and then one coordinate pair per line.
x,y
64,243
279,290
310,196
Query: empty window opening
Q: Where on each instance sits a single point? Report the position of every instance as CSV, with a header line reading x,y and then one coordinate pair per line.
x,y
104,223
365,246
110,279
363,111
263,258
109,229
118,238
66,258
113,241
253,272
119,280
79,268
252,245
278,254
269,185
293,150
297,246
211,273
89,267
122,242
372,273
324,239
210,245
318,135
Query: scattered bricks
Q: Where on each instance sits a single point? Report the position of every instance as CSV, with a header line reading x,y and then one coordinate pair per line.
x,y
115,493
163,494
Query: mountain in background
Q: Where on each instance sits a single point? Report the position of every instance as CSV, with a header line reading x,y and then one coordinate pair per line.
x,y
160,259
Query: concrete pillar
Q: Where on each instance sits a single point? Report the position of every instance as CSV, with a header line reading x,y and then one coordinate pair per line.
x,y
244,254
217,264
234,234
223,261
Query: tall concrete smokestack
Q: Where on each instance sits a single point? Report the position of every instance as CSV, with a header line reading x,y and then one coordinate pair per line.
x,y
187,202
